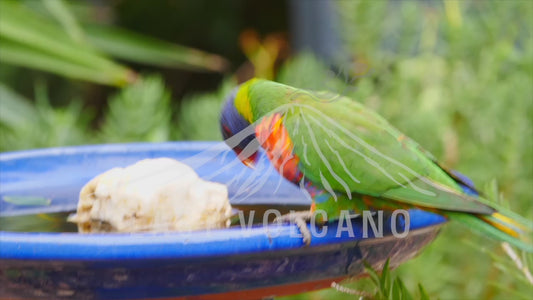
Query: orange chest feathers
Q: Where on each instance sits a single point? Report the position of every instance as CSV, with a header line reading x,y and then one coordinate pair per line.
x,y
276,142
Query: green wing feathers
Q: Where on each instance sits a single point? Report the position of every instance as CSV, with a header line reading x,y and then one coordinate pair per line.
x,y
347,149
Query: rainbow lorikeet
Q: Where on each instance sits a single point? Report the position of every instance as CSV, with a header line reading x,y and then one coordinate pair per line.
x,y
349,158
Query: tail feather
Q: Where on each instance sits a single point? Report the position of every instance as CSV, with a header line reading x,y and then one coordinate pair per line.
x,y
505,224
520,221
498,226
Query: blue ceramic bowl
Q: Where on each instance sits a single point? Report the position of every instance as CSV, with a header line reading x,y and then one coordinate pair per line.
x,y
233,263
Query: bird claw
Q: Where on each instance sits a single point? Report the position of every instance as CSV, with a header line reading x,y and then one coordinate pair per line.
x,y
299,218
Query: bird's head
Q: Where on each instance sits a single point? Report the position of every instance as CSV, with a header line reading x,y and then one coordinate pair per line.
x,y
236,125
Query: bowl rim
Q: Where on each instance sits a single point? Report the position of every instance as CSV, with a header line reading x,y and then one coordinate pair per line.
x,y
183,245
179,245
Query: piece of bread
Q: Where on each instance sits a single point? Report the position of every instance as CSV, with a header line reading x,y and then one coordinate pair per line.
x,y
158,195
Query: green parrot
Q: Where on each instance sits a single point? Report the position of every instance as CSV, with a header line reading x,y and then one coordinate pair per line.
x,y
347,157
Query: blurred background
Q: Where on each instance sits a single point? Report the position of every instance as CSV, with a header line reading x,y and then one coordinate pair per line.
x,y
457,76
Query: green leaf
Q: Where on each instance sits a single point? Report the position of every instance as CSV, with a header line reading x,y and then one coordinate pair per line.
x,y
384,281
16,110
396,290
199,113
26,27
372,273
139,112
30,40
139,48
42,125
423,293
308,72
59,9
406,295
27,200
512,293
21,55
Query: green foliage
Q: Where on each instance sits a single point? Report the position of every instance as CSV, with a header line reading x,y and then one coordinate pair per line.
x,y
200,113
391,288
61,12
387,288
25,126
379,286
31,40
139,112
135,47
53,41
307,72
16,110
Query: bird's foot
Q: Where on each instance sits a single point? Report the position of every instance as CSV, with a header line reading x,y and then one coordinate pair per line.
x,y
300,218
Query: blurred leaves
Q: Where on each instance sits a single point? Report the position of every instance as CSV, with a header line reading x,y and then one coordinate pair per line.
x,y
34,40
388,287
21,54
262,53
30,40
379,285
139,112
60,10
307,72
138,48
200,114
25,126
16,110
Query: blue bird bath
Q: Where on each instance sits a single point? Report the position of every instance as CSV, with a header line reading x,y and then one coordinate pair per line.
x,y
233,263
